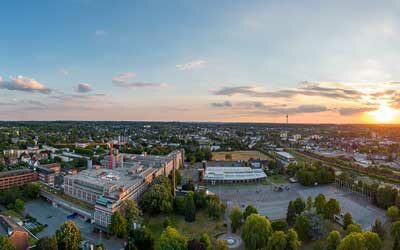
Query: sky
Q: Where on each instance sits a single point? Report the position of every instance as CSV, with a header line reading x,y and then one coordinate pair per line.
x,y
229,61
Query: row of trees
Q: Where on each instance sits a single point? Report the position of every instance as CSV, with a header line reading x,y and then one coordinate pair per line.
x,y
308,175
14,197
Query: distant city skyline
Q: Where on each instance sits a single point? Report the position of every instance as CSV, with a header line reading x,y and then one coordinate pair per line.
x,y
220,61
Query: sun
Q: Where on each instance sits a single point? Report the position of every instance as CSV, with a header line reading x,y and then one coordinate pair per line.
x,y
384,114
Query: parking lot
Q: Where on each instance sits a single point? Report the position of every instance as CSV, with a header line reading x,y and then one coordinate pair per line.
x,y
274,204
54,217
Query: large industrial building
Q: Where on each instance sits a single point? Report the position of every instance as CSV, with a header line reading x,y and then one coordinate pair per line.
x,y
122,176
17,178
215,175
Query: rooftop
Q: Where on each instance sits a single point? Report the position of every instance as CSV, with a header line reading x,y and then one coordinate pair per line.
x,y
233,173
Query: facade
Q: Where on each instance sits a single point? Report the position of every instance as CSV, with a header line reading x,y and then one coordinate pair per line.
x,y
17,178
47,173
285,157
128,178
233,175
18,236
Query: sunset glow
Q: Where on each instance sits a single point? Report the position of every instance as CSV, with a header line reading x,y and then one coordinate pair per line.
x,y
384,114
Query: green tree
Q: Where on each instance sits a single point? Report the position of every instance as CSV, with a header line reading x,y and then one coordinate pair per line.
x,y
68,236
47,243
277,241
378,228
221,245
118,225
333,240
291,214
372,241
392,213
19,205
353,241
353,228
195,244
319,203
347,220
215,207
256,231
190,208
157,199
31,190
171,240
279,225
331,208
236,218
5,243
178,177
299,205
395,232
293,242
310,203
302,227
130,211
205,239
250,209
140,239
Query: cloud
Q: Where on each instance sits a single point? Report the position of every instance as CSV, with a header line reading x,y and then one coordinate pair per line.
x,y
83,88
191,65
100,33
22,83
63,72
354,111
306,89
124,80
221,104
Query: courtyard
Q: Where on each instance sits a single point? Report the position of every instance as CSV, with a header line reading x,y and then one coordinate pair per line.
x,y
274,203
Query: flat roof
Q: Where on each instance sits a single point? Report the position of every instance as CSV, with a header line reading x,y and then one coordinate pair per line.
x,y
233,173
285,154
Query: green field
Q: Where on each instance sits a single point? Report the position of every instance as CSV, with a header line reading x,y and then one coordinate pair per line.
x,y
239,155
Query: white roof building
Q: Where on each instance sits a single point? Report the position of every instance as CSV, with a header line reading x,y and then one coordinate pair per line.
x,y
233,174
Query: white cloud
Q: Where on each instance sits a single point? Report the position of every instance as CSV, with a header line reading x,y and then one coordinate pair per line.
x,y
191,65
22,83
63,72
125,80
100,33
83,88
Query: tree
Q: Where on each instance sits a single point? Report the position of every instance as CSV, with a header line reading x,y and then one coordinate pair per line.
x,y
279,225
378,228
196,245
190,208
395,232
236,218
293,242
393,213
256,231
200,199
299,205
171,240
250,209
331,208
221,245
354,241
68,236
319,203
353,228
47,243
178,177
205,238
140,239
157,199
179,205
291,214
372,241
277,241
302,226
5,243
118,225
19,206
333,240
347,220
215,208
310,203
31,190
130,211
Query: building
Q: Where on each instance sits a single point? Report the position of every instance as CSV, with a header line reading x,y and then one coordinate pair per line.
x,y
17,178
47,173
18,236
128,178
233,175
285,157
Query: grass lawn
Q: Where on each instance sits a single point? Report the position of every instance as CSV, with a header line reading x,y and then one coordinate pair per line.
x,y
203,224
239,155
277,179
